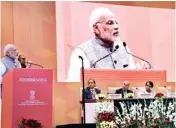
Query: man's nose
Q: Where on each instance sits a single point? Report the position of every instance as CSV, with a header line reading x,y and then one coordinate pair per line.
x,y
116,26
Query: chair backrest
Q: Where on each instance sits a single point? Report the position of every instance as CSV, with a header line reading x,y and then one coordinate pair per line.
x,y
112,90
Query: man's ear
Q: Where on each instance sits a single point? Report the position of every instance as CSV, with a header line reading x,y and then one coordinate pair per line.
x,y
7,53
96,29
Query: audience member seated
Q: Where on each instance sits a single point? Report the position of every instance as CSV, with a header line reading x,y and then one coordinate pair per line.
x,y
124,90
91,91
148,90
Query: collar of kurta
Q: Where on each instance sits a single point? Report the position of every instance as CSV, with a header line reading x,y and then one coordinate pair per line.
x,y
11,59
99,41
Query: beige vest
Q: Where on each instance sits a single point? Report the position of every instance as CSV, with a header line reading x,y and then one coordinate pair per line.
x,y
95,49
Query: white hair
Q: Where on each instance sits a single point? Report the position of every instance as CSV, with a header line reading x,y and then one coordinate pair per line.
x,y
8,47
97,13
126,82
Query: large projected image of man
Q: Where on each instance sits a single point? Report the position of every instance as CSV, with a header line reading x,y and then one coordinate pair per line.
x,y
106,41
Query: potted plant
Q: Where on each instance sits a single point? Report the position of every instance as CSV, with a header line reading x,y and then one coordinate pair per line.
x,y
29,123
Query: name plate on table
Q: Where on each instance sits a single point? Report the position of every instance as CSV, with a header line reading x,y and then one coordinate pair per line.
x,y
114,96
146,95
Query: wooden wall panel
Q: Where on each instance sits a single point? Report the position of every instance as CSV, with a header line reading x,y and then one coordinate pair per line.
x,y
7,32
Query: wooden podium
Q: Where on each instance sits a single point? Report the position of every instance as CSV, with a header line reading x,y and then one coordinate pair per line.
x,y
27,93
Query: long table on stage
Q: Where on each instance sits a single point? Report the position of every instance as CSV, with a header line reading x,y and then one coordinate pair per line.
x,y
91,104
141,100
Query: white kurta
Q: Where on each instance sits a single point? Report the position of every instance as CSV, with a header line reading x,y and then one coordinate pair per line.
x,y
93,50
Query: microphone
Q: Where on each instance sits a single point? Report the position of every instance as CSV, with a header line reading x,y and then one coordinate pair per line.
x,y
24,63
124,44
80,57
34,64
140,90
125,65
116,47
83,88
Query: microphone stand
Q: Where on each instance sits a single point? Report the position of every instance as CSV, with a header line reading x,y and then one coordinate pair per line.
x,y
150,66
34,64
83,88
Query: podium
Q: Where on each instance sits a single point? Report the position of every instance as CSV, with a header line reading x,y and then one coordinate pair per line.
x,y
27,93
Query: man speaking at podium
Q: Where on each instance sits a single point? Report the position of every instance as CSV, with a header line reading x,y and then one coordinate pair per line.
x,y
9,61
105,50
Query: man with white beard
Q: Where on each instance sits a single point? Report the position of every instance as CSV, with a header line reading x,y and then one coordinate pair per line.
x,y
105,27
9,61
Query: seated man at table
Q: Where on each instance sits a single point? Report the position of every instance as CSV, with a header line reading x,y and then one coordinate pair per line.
x,y
124,90
91,91
148,91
